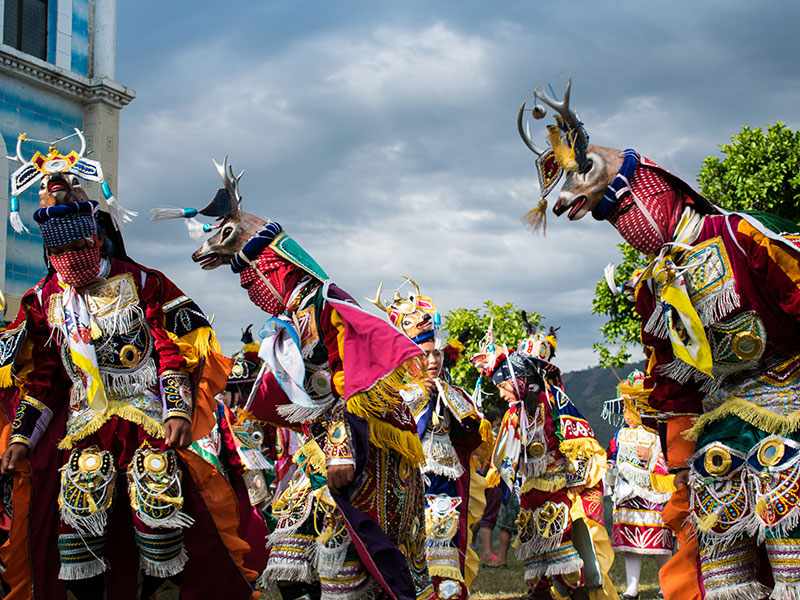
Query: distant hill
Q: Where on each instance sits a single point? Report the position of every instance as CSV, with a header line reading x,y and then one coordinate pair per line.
x,y
589,388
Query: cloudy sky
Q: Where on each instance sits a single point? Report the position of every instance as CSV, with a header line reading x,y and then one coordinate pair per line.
x,y
382,136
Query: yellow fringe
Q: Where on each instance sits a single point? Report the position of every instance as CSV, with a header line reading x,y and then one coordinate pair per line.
x,y
707,522
572,449
492,478
663,483
204,340
445,572
543,485
386,436
6,380
486,431
315,456
252,347
384,394
764,419
119,409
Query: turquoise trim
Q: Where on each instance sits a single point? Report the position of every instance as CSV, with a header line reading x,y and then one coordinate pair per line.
x,y
295,254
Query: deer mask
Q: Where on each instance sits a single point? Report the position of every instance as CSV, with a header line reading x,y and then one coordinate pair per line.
x,y
269,261
412,315
643,204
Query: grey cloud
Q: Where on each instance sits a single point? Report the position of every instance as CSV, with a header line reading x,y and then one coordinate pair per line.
x,y
385,143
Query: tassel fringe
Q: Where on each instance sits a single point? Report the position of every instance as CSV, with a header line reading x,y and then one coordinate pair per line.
x,y
538,545
677,370
167,568
749,591
204,341
760,417
785,591
120,409
437,468
178,520
714,307
301,414
6,381
657,325
296,572
329,559
384,394
93,525
120,321
386,436
536,218
314,454
445,572
84,570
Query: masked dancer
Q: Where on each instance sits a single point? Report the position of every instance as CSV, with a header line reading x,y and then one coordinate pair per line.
x,y
350,522
116,370
449,426
546,452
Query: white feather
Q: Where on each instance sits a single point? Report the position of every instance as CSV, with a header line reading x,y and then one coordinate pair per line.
x,y
119,213
16,223
166,212
195,228
610,282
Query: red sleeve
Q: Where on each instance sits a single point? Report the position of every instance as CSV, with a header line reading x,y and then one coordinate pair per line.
x,y
39,370
775,269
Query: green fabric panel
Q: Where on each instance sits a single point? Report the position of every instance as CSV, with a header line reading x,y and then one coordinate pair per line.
x,y
295,254
317,481
733,432
773,222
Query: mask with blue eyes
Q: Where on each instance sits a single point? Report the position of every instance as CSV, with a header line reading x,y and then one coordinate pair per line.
x,y
774,466
720,499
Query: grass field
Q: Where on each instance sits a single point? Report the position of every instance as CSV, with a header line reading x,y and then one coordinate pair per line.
x,y
506,584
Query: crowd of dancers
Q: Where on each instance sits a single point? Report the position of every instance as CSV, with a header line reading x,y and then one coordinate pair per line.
x,y
333,457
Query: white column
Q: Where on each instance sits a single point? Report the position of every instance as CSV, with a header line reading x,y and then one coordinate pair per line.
x,y
64,34
105,38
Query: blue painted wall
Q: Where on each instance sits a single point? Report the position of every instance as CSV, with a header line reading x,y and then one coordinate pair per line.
x,y
41,116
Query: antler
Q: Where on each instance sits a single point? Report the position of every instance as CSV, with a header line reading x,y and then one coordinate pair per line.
x,y
230,182
529,328
526,134
572,121
83,142
20,139
412,282
377,301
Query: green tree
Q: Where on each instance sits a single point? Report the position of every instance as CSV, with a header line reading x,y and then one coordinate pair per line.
x,y
509,329
760,171
622,329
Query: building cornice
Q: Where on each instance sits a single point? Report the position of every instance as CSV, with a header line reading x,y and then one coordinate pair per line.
x,y
61,81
